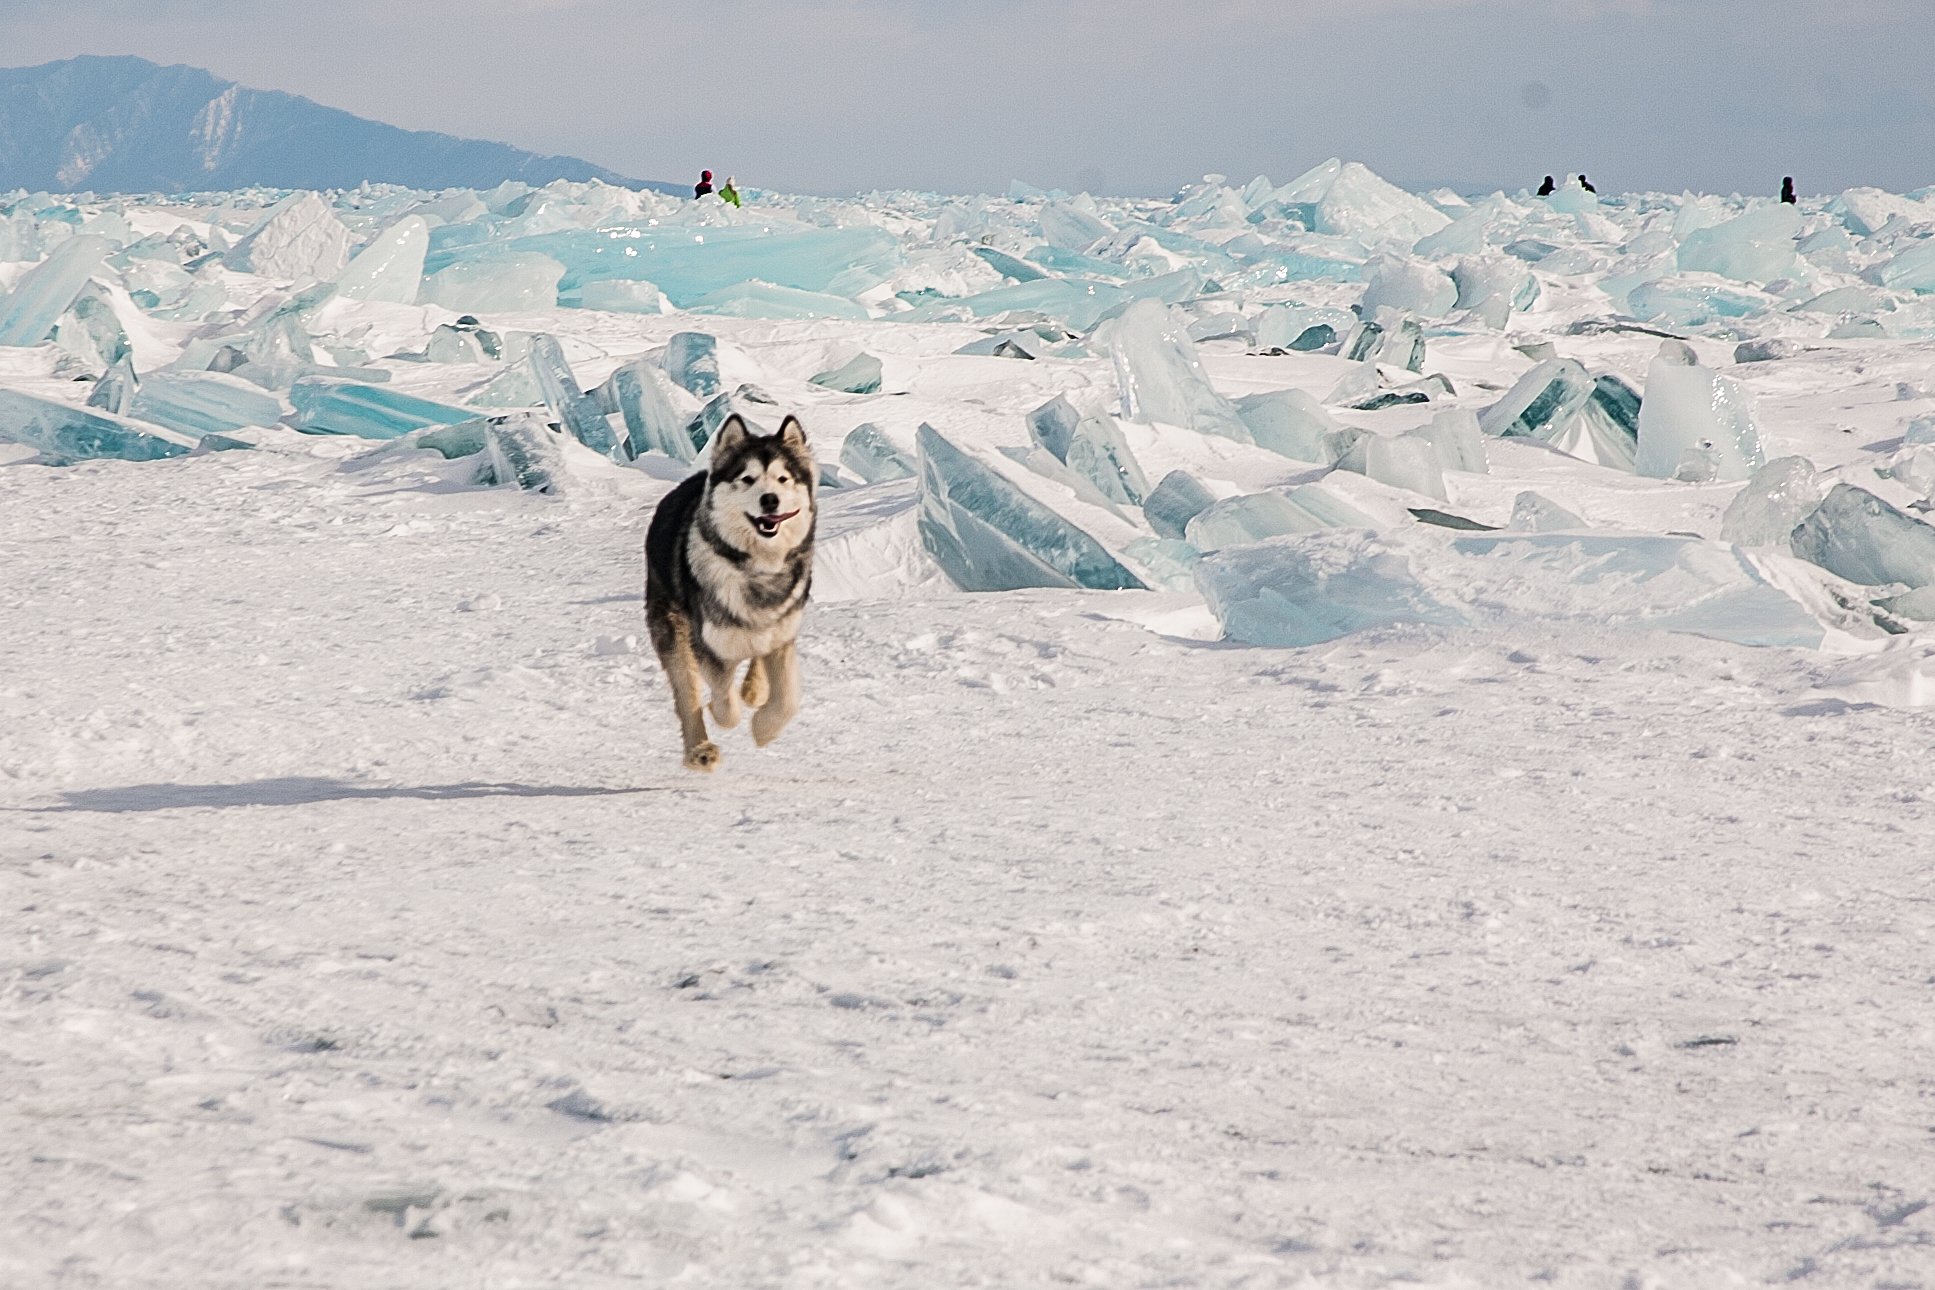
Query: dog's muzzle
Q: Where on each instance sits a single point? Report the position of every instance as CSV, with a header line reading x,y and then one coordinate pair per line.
x,y
768,525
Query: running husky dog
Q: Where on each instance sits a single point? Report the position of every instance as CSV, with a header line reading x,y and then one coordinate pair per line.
x,y
728,564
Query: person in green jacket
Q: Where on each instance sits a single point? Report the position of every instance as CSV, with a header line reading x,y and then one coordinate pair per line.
x,y
729,193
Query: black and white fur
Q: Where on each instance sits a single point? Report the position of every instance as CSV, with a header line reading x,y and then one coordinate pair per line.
x,y
728,565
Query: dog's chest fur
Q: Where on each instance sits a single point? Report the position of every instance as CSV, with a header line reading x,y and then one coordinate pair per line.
x,y
754,602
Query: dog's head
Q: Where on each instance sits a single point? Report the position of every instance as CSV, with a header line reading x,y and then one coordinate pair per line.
x,y
759,488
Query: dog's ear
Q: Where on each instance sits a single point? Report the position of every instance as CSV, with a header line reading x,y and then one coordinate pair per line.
x,y
731,435
792,433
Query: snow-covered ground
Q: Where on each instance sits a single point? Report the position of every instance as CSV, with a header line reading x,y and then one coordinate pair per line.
x,y
358,926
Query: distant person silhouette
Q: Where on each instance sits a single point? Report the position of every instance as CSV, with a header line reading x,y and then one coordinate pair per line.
x,y
704,185
1586,184
728,193
1787,190
1545,189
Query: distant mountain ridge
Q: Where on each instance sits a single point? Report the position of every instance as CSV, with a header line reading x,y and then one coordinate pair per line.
x,y
127,125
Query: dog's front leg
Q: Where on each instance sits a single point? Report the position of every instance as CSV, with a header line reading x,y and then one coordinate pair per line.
x,y
681,666
782,669
725,697
755,690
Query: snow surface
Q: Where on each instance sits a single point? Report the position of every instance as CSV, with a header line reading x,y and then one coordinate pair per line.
x,y
360,927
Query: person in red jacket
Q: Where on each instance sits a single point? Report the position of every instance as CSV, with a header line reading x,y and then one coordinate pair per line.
x,y
704,185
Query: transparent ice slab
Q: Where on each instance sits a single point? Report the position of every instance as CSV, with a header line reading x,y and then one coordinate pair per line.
x,y
1688,304
642,394
114,392
1053,424
1288,422
370,411
1301,328
1360,203
1912,270
870,454
46,291
1415,286
1540,401
988,535
63,433
1402,462
692,361
1071,228
688,262
506,283
1494,278
1173,562
389,268
523,450
1080,304
1456,437
1008,266
1775,499
1534,513
1161,377
1178,499
1605,429
754,299
1755,247
1855,535
203,404
1694,408
758,409
1304,590
581,417
1246,519
858,375
621,297
1098,452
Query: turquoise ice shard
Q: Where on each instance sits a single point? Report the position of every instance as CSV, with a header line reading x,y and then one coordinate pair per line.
x,y
1247,518
1071,228
1540,401
1359,203
512,282
1604,429
1052,425
449,344
1755,247
1457,439
870,454
1855,535
1356,385
1694,408
692,361
204,403
1912,270
115,391
1099,453
1301,327
581,417
1304,590
1288,422
1178,499
1080,304
1008,266
46,291
1533,513
755,299
1415,286
1171,560
858,375
621,297
523,450
91,332
758,409
1774,500
1495,286
371,411
988,535
465,439
1162,378
302,241
1402,462
63,433
642,393
1045,464
390,268
1688,303
1404,345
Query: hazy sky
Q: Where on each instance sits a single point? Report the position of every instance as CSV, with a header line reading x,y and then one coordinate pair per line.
x,y
1135,96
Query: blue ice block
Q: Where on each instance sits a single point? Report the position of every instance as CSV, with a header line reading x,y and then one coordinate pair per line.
x,y
1053,424
64,434
496,284
1008,266
1178,499
870,454
754,299
580,416
202,404
1288,422
1688,303
692,361
1162,378
523,450
114,392
49,289
642,394
988,535
1078,303
371,411
858,375
1772,503
1098,452
1755,247
1855,535
1540,401
1307,589
1694,408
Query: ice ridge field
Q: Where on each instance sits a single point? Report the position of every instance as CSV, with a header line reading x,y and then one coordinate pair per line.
x,y
1351,737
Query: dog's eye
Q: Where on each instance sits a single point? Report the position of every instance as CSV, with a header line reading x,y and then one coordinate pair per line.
x,y
747,479
784,480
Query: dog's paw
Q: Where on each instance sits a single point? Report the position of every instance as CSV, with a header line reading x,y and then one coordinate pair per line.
x,y
755,691
726,710
705,757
